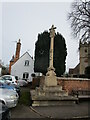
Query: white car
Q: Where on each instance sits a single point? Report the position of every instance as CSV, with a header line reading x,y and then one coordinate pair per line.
x,y
22,83
9,97
10,79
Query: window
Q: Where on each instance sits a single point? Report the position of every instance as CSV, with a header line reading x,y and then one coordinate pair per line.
x,y
26,62
25,75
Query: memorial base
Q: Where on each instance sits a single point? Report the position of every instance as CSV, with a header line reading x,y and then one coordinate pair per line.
x,y
50,81
51,96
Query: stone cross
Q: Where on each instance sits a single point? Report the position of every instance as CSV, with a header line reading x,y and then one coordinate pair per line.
x,y
50,78
52,31
52,35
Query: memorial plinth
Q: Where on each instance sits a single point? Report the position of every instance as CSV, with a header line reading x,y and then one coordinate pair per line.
x,y
51,96
49,93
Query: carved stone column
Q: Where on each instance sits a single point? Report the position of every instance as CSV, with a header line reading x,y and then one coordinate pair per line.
x,y
50,79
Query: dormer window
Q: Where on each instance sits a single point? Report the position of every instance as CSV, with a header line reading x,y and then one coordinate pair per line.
x,y
26,62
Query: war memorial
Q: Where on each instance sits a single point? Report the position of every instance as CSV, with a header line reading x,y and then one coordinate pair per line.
x,y
49,93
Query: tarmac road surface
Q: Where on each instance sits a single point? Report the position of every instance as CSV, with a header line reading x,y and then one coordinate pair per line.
x,y
21,111
77,111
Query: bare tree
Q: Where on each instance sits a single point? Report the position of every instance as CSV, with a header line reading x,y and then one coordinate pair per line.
x,y
80,19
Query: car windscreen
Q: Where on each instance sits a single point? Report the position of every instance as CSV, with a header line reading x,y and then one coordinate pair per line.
x,y
7,78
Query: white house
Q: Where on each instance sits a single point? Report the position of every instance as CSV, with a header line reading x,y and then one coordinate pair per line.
x,y
23,67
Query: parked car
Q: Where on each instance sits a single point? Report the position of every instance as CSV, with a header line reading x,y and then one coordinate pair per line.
x,y
4,84
10,79
17,88
2,80
22,83
11,87
4,112
9,97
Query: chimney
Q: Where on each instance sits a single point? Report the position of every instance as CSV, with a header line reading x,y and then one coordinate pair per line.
x,y
11,63
17,51
14,59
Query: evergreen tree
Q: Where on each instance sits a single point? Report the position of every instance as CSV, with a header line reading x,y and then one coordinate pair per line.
x,y
42,48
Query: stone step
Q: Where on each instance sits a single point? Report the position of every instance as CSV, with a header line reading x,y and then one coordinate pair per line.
x,y
52,93
49,89
53,88
51,98
54,101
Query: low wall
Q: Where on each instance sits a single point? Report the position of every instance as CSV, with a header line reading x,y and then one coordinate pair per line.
x,y
67,84
70,84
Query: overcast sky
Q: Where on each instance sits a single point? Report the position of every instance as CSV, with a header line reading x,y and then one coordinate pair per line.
x,y
24,20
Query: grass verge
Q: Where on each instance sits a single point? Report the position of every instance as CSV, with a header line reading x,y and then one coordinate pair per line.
x,y
25,97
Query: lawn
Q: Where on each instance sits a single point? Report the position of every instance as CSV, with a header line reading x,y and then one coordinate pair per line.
x,y
25,96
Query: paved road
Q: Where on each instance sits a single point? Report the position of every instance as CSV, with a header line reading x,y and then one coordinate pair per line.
x,y
22,111
61,112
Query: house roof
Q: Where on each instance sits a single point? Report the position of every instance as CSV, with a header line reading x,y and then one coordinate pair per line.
x,y
23,55
74,70
26,53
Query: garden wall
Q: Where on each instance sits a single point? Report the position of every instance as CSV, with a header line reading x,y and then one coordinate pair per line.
x,y
70,84
67,84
